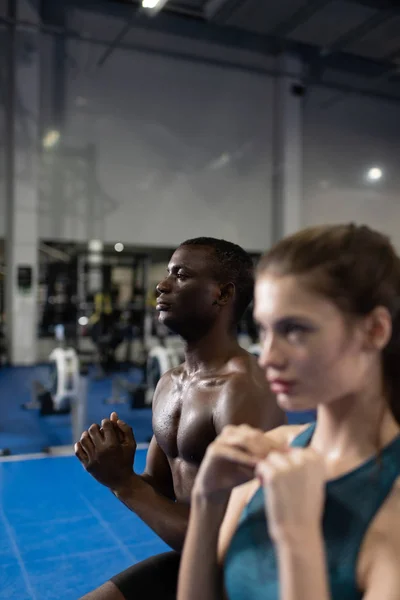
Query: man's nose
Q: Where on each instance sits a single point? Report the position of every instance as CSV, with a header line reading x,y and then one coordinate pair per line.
x,y
164,287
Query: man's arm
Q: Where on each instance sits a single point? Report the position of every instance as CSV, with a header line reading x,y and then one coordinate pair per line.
x,y
151,497
108,455
157,471
247,399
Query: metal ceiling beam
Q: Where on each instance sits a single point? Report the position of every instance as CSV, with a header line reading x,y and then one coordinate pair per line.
x,y
299,17
393,56
175,24
193,29
221,11
232,37
118,38
378,4
171,6
331,85
184,55
357,33
114,44
380,78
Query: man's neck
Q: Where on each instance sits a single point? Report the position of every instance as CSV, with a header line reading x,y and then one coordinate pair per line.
x,y
211,351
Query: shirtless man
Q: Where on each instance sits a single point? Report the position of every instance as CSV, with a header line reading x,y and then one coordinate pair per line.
x,y
208,286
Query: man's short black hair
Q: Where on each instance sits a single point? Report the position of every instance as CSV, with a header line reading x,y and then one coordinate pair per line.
x,y
232,264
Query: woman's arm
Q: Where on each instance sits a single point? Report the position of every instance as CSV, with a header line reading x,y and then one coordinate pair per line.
x,y
384,578
200,577
229,462
380,576
295,492
209,550
302,567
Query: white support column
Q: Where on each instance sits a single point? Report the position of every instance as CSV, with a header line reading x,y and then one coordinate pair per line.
x,y
22,200
288,147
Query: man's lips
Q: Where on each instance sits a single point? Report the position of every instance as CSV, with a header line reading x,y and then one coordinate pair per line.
x,y
162,304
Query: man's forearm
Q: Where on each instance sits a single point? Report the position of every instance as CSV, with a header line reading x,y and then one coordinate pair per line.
x,y
199,576
168,519
302,568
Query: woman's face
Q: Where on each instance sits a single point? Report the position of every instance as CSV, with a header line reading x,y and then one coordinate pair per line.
x,y
310,355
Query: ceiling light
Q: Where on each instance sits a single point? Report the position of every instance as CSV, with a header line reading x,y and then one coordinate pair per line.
x,y
51,139
154,5
374,174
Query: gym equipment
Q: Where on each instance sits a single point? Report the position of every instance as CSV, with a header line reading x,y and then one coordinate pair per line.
x,y
103,315
160,359
78,406
58,303
105,332
64,381
65,365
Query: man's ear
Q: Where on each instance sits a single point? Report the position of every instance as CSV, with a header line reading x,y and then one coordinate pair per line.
x,y
227,291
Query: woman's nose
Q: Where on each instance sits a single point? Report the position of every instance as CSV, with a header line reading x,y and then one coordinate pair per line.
x,y
272,353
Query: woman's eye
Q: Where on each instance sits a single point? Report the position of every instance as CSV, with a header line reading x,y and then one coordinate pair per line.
x,y
295,332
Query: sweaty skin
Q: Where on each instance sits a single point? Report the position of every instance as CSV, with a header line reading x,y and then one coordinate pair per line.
x,y
189,411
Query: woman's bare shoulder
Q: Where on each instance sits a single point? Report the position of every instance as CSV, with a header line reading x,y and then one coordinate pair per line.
x,y
285,434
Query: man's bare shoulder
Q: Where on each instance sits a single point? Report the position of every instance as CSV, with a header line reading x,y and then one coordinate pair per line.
x,y
243,370
246,397
243,361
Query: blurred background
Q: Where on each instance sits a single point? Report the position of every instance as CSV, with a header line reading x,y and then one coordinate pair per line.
x,y
127,127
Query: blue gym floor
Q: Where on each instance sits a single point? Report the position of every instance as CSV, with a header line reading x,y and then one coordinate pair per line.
x,y
61,533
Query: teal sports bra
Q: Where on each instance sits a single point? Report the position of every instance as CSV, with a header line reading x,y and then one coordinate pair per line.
x,y
352,501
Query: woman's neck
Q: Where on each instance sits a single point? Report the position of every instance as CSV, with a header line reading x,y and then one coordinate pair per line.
x,y
352,429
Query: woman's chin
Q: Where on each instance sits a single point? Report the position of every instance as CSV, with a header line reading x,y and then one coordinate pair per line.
x,y
294,403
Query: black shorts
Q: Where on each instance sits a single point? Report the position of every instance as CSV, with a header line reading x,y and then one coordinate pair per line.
x,y
156,577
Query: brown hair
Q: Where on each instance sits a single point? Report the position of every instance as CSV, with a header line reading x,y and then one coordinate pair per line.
x,y
355,267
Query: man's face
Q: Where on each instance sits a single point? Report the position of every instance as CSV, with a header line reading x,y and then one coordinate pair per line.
x,y
187,296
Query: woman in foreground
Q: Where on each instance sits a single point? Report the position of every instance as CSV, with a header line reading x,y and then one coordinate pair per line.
x,y
315,510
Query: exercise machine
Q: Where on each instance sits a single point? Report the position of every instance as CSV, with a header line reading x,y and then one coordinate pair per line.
x,y
160,359
78,406
112,307
64,380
